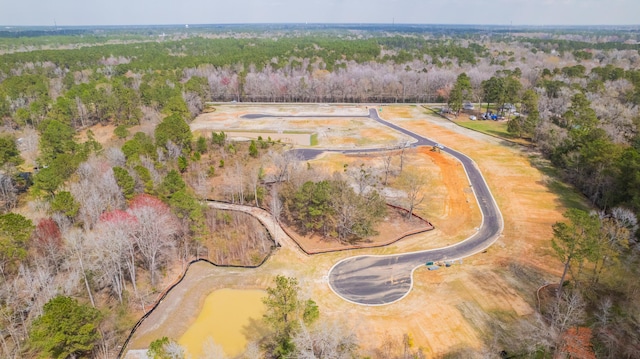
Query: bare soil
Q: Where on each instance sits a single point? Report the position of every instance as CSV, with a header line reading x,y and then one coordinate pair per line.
x,y
446,310
350,130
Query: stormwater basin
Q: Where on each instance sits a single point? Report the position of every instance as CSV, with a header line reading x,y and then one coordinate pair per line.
x,y
224,317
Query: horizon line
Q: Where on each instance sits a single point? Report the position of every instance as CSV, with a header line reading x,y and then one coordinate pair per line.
x,y
394,24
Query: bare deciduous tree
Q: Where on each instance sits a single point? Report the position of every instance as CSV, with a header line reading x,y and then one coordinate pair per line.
x,y
113,250
362,176
254,179
212,350
155,231
234,183
327,339
77,243
412,182
253,351
8,193
283,161
568,311
197,179
404,147
115,157
96,190
47,241
386,160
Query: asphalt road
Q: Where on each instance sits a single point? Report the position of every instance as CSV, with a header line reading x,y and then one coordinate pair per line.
x,y
379,280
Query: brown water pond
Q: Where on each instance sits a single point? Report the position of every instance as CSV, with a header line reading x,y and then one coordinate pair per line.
x,y
225,317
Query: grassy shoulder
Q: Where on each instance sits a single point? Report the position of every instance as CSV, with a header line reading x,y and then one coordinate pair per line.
x,y
491,128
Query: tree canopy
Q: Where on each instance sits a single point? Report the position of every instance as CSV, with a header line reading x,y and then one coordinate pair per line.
x,y
65,329
56,138
284,313
15,232
574,240
173,128
461,92
9,153
333,208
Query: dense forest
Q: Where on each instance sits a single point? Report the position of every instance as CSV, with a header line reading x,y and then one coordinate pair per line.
x,y
64,198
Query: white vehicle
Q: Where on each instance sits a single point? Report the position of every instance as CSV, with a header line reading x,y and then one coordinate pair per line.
x,y
473,118
440,146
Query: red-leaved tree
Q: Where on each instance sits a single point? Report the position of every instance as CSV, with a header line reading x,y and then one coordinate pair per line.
x,y
48,242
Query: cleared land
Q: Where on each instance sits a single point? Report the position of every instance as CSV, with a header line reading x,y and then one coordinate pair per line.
x,y
447,310
349,130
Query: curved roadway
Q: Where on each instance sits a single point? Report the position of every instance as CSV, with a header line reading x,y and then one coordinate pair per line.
x,y
379,280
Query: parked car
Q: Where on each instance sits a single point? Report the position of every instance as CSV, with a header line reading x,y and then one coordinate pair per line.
x,y
490,116
473,118
508,107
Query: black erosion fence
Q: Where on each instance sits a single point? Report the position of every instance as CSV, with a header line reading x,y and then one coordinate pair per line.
x,y
293,236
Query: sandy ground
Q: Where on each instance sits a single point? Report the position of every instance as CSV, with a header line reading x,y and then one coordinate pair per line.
x,y
447,309
301,139
350,131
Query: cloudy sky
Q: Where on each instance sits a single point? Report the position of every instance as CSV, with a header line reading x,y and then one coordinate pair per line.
x,y
143,12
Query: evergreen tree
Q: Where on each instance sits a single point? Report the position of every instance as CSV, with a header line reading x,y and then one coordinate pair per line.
x,y
171,184
173,128
65,329
9,153
218,139
139,145
573,240
145,177
15,232
284,311
253,149
461,91
56,138
125,181
48,180
65,203
201,145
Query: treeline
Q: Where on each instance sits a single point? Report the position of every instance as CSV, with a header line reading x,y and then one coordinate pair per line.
x,y
101,83
569,46
587,125
585,120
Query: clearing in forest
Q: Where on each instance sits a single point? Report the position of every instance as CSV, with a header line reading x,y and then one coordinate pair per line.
x,y
446,310
343,127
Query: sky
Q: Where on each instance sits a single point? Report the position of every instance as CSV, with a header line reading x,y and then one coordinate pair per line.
x,y
483,12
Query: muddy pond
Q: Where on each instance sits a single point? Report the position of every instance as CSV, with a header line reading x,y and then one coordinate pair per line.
x,y
226,317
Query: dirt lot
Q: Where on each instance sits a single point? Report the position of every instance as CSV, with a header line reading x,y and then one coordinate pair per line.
x,y
350,131
447,310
